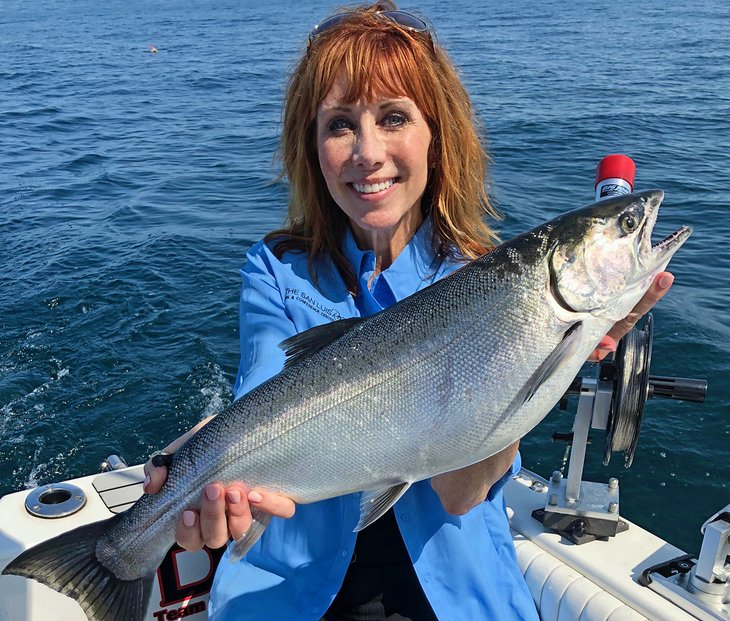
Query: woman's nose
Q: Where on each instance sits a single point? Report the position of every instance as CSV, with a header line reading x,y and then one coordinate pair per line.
x,y
369,149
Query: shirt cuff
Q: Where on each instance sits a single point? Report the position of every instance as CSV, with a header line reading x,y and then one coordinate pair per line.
x,y
497,487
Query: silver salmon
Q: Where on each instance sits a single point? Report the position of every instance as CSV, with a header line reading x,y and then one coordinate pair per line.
x,y
436,382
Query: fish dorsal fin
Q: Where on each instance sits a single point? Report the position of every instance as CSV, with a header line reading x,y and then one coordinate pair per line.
x,y
549,365
260,521
374,504
310,341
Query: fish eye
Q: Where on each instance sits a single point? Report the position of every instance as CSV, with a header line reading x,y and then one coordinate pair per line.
x,y
628,221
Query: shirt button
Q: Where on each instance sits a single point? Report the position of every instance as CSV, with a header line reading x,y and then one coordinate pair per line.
x,y
315,609
404,517
427,577
344,553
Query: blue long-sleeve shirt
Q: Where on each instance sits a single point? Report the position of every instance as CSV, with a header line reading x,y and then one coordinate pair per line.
x,y
465,564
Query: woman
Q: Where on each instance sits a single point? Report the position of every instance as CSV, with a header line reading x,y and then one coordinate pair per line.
x,y
386,174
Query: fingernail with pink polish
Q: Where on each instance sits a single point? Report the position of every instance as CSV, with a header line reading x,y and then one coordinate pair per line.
x,y
233,496
212,492
146,482
255,497
188,518
666,281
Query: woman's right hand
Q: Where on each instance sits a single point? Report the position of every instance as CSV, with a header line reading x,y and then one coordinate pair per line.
x,y
225,511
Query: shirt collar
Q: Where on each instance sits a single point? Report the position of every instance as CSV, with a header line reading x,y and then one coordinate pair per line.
x,y
418,259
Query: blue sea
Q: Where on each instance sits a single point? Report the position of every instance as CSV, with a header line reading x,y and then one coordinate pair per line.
x,y
132,183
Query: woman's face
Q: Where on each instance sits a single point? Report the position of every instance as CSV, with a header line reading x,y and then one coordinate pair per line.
x,y
374,158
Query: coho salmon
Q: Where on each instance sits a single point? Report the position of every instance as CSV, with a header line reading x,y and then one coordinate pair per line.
x,y
439,381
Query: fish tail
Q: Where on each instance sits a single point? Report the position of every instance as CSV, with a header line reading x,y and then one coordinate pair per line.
x,y
68,564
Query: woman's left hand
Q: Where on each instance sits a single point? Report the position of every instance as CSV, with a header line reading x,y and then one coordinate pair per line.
x,y
662,282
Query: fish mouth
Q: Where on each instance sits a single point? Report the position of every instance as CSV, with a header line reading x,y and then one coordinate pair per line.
x,y
656,256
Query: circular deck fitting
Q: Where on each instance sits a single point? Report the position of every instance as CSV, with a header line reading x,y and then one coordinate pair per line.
x,y
56,500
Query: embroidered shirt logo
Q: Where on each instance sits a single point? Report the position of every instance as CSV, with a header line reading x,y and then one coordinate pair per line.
x,y
301,297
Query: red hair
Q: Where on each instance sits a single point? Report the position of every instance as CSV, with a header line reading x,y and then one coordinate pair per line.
x,y
379,58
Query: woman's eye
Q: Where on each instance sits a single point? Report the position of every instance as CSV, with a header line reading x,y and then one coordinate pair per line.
x,y
338,125
395,119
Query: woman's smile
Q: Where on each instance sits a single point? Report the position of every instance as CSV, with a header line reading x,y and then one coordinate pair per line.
x,y
373,187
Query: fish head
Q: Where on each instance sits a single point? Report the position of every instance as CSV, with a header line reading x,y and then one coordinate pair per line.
x,y
603,260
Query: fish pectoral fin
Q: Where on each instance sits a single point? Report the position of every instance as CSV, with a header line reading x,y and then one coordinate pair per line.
x,y
550,364
306,343
374,504
240,548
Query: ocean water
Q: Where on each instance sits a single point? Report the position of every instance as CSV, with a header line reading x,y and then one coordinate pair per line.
x,y
133,182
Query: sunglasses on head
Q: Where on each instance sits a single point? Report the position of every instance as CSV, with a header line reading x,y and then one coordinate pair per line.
x,y
401,18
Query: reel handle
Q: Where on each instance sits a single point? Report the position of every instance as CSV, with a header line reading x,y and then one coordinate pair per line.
x,y
679,388
660,386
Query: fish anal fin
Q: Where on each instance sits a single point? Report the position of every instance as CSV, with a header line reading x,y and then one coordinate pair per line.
x,y
310,341
374,504
240,548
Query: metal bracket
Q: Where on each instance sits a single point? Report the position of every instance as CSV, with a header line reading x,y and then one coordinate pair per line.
x,y
583,511
714,562
674,581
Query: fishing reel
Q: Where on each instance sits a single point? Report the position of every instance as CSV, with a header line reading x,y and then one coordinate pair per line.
x,y
613,400
628,372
